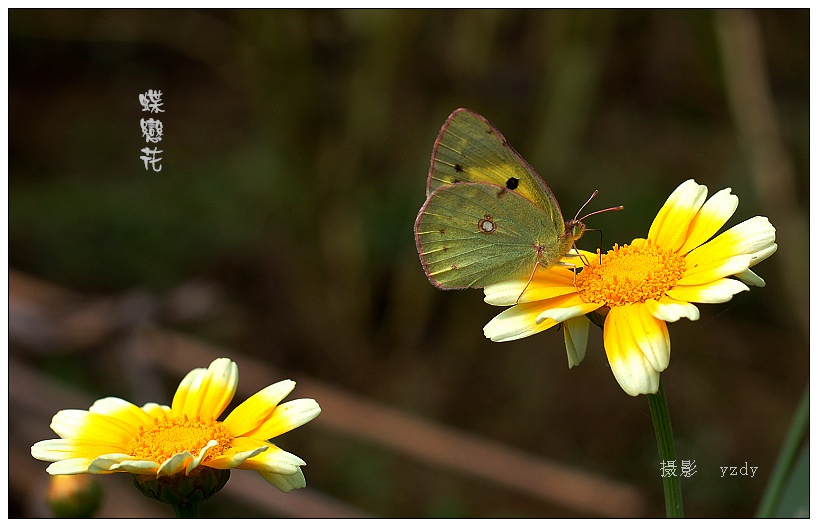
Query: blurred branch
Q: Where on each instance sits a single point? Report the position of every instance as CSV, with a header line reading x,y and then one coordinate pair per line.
x,y
49,319
748,91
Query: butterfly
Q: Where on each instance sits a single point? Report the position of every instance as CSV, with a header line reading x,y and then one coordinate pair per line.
x,y
488,216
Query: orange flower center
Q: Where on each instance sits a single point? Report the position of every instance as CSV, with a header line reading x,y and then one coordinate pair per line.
x,y
170,436
630,275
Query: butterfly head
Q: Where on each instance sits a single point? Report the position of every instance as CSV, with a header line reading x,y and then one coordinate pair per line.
x,y
573,230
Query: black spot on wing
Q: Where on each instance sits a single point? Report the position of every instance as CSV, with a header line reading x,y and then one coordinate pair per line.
x,y
512,183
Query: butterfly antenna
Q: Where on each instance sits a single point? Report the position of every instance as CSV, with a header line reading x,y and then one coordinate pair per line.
x,y
593,195
578,219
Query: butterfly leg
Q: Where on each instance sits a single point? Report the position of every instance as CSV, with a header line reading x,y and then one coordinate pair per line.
x,y
530,279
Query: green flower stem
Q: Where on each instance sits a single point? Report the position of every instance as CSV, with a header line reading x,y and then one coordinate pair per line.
x,y
667,452
786,458
187,510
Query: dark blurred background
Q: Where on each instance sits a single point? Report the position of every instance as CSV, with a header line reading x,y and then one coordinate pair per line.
x,y
295,153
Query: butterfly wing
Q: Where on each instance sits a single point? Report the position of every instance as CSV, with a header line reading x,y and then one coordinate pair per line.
x,y
477,234
470,149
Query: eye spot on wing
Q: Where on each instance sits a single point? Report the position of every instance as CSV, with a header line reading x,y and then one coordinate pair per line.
x,y
486,224
512,183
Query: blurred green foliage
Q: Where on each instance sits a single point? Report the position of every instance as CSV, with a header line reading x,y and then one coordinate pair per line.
x,y
295,154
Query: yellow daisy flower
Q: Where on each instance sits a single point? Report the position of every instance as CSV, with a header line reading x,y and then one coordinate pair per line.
x,y
155,440
642,286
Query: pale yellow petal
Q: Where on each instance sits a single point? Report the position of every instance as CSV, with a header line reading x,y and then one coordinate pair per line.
x,y
198,458
571,306
286,483
637,346
671,310
712,217
286,417
122,410
576,339
528,318
652,336
706,272
754,237
107,463
576,259
763,253
59,449
715,292
638,242
175,464
504,293
157,411
546,283
188,389
518,321
67,467
138,466
750,278
671,225
242,449
206,393
82,424
274,460
250,414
